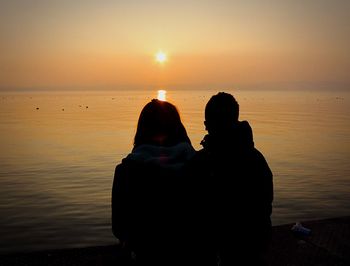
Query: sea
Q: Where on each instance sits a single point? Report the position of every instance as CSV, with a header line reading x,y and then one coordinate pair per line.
x,y
59,149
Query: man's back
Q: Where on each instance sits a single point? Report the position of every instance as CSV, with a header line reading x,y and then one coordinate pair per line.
x,y
233,193
231,186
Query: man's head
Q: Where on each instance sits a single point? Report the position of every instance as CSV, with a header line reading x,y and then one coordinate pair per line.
x,y
221,112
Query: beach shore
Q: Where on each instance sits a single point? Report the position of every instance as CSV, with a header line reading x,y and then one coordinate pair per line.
x,y
327,244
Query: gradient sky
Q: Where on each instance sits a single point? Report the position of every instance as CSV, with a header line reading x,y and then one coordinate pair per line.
x,y
111,44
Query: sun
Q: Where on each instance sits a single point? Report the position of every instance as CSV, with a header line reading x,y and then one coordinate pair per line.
x,y
161,57
161,95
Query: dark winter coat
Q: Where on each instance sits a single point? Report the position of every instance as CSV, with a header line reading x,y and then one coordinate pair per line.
x,y
231,191
147,200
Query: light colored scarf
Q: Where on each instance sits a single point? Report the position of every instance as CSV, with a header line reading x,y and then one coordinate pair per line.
x,y
172,157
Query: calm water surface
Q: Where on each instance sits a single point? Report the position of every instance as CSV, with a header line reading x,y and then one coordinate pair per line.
x,y
57,162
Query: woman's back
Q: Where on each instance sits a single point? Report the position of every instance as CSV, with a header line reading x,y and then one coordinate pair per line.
x,y
146,205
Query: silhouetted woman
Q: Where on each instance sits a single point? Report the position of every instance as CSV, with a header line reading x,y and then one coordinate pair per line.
x,y
146,202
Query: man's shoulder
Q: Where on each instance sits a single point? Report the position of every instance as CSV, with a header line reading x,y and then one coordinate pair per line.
x,y
258,154
261,161
201,154
201,158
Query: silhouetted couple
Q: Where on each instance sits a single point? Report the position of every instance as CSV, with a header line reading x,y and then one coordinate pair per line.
x,y
172,205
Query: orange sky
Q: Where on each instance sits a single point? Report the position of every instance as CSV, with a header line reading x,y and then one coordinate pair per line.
x,y
106,44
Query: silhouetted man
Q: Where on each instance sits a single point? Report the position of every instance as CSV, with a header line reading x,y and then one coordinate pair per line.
x,y
230,190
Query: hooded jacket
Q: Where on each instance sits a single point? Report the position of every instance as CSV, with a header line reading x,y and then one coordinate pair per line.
x,y
231,190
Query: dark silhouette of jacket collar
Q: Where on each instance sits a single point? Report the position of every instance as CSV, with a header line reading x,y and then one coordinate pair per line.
x,y
238,136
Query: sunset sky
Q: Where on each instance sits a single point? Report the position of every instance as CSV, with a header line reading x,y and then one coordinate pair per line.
x,y
112,44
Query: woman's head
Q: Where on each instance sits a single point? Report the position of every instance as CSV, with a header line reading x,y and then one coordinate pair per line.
x,y
160,124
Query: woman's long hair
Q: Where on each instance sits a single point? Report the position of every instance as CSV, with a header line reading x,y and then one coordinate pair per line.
x,y
160,124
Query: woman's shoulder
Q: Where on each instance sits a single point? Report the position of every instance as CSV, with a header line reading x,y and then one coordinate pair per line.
x,y
125,166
